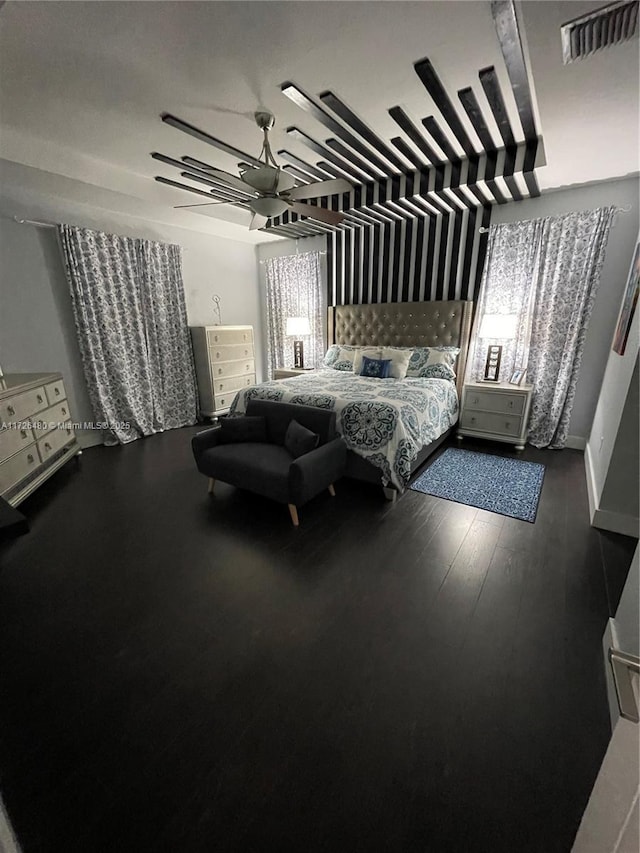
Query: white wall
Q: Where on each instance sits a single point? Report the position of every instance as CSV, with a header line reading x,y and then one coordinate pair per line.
x,y
621,244
37,330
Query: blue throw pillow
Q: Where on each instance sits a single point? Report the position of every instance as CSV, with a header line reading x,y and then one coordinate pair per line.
x,y
375,368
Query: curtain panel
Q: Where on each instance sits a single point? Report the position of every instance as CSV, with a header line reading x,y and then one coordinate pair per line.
x,y
294,289
546,272
129,308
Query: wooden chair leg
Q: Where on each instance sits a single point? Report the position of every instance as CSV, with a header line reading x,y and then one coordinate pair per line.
x,y
332,491
293,511
212,483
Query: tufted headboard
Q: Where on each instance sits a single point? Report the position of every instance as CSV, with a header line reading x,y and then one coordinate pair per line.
x,y
404,324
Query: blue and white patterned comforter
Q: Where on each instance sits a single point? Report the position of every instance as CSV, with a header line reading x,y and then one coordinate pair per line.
x,y
386,421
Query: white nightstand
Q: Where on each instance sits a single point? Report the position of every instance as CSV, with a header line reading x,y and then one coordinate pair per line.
x,y
286,372
495,410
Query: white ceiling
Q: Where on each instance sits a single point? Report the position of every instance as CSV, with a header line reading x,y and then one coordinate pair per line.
x,y
83,85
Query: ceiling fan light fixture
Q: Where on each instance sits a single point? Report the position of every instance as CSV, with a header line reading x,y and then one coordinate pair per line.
x,y
268,179
268,206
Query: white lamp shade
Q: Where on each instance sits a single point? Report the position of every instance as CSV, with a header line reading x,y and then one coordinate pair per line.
x,y
298,326
501,327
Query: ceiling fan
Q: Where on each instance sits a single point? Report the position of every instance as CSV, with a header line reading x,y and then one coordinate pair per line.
x,y
272,190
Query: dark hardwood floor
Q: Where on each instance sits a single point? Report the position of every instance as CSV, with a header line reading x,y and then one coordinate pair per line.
x,y
186,673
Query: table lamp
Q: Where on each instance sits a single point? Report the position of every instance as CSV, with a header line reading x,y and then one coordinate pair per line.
x,y
498,327
298,327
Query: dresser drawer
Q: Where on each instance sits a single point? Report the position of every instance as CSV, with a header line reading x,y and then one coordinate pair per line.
x,y
490,422
22,406
229,336
13,440
230,352
492,401
55,392
50,418
54,441
18,467
226,369
228,386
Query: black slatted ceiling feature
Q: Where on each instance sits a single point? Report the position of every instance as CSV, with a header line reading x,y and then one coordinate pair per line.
x,y
431,125
430,80
302,100
407,152
351,171
506,24
491,86
474,112
334,103
314,171
404,122
350,157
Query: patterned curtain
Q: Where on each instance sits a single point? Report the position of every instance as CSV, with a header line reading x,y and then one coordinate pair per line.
x,y
546,271
294,289
571,261
129,308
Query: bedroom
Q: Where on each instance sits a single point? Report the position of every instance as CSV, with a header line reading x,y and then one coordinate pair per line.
x,y
339,695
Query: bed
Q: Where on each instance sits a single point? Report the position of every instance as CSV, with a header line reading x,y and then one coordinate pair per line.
x,y
391,426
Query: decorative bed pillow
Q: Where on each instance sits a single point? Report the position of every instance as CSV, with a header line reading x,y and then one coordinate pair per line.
x,y
299,440
375,368
331,355
439,371
248,428
424,357
362,352
399,361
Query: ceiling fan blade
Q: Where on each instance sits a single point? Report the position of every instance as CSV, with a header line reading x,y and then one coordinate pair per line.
x,y
257,222
321,188
225,177
204,204
321,213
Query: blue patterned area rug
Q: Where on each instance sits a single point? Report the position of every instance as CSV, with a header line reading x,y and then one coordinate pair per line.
x,y
506,486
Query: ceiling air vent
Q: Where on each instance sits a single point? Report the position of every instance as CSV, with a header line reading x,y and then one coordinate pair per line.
x,y
601,28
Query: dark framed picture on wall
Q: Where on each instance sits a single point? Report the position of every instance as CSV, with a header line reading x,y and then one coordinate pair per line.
x,y
628,306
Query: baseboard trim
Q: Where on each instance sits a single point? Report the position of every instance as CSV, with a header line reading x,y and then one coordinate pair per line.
x,y
575,442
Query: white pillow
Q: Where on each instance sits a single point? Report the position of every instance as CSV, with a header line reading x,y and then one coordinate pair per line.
x,y
399,361
370,352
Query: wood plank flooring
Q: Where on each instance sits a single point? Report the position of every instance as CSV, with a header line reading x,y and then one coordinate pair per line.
x,y
190,673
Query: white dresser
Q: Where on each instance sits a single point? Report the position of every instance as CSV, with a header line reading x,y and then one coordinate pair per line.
x,y
225,363
36,433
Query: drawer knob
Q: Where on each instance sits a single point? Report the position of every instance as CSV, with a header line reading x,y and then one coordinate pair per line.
x,y
221,386
511,404
23,433
473,420
11,410
30,458
217,355
219,370
475,401
64,411
507,424
47,446
215,338
39,398
56,391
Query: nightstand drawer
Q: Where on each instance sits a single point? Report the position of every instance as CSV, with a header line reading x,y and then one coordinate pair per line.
x,y
495,401
490,422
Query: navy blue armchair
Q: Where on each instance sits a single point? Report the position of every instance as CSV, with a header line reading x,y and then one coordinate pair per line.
x,y
267,467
